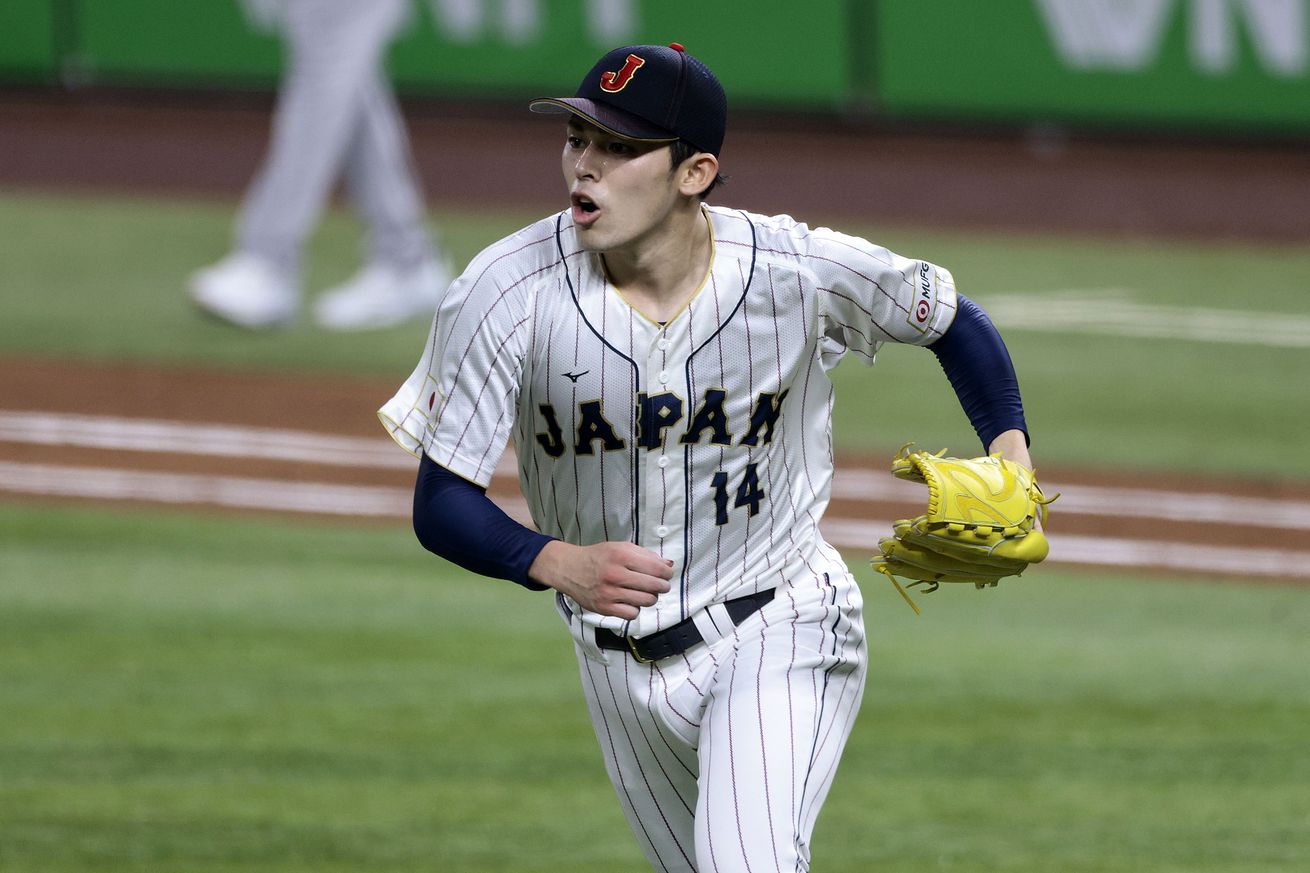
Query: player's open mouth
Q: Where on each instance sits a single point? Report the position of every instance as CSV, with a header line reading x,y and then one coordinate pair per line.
x,y
585,210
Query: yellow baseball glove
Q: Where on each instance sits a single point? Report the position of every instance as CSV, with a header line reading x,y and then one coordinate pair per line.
x,y
981,523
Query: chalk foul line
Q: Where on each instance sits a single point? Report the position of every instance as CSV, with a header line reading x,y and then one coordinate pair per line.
x,y
852,484
1115,312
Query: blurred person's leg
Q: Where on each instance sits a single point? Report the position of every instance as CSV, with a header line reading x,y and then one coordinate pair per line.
x,y
403,273
334,48
383,182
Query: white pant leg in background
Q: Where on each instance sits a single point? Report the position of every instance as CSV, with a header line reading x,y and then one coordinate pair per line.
x,y
383,182
334,73
722,758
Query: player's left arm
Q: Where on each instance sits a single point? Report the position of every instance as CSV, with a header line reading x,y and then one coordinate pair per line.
x,y
978,366
1013,446
928,549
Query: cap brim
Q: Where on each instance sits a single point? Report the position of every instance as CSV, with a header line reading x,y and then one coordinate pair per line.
x,y
607,118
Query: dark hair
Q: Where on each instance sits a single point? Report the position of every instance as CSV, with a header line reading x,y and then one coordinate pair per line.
x,y
680,151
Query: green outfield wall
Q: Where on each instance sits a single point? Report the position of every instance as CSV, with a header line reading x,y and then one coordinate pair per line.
x,y
488,48
28,41
1199,63
1196,64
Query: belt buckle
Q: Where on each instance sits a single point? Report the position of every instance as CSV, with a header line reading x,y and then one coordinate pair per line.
x,y
632,647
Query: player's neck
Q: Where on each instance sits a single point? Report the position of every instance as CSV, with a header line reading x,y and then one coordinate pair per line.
x,y
659,276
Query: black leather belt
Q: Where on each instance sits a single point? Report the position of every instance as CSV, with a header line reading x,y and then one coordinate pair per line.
x,y
682,636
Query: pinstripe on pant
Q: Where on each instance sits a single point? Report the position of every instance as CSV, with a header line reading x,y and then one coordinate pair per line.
x,y
722,757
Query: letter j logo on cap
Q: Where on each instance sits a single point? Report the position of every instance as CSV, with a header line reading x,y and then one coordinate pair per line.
x,y
615,82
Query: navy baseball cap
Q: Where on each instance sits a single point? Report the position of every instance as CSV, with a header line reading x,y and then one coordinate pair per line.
x,y
652,93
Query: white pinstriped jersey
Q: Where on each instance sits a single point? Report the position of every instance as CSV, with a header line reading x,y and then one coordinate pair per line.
x,y
707,440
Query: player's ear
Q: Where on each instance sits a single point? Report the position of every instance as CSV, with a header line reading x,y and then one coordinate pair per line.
x,y
697,173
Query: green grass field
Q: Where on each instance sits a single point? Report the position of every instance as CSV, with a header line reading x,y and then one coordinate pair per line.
x,y
192,692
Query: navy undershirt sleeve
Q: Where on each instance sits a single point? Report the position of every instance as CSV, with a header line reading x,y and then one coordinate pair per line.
x,y
979,368
455,519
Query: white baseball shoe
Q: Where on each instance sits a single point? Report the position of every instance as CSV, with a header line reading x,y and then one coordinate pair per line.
x,y
245,290
382,296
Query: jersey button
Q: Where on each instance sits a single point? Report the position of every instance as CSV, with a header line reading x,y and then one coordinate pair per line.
x,y
664,377
663,343
663,460
662,531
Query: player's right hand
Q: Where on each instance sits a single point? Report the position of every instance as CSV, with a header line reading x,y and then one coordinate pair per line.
x,y
612,578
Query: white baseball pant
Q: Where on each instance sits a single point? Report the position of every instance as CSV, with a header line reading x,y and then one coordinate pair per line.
x,y
722,756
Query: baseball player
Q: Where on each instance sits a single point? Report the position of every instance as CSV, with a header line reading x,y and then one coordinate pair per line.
x,y
662,366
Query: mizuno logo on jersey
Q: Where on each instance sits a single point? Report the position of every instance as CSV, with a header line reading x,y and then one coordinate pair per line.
x,y
656,414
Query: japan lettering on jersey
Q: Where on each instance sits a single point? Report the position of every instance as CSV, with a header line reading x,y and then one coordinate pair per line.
x,y
706,440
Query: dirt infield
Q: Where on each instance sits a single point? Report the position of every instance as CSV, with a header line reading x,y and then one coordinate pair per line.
x,y
121,433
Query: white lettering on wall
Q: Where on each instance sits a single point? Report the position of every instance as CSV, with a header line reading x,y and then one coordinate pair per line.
x,y
1126,35
519,22
1106,34
1276,28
